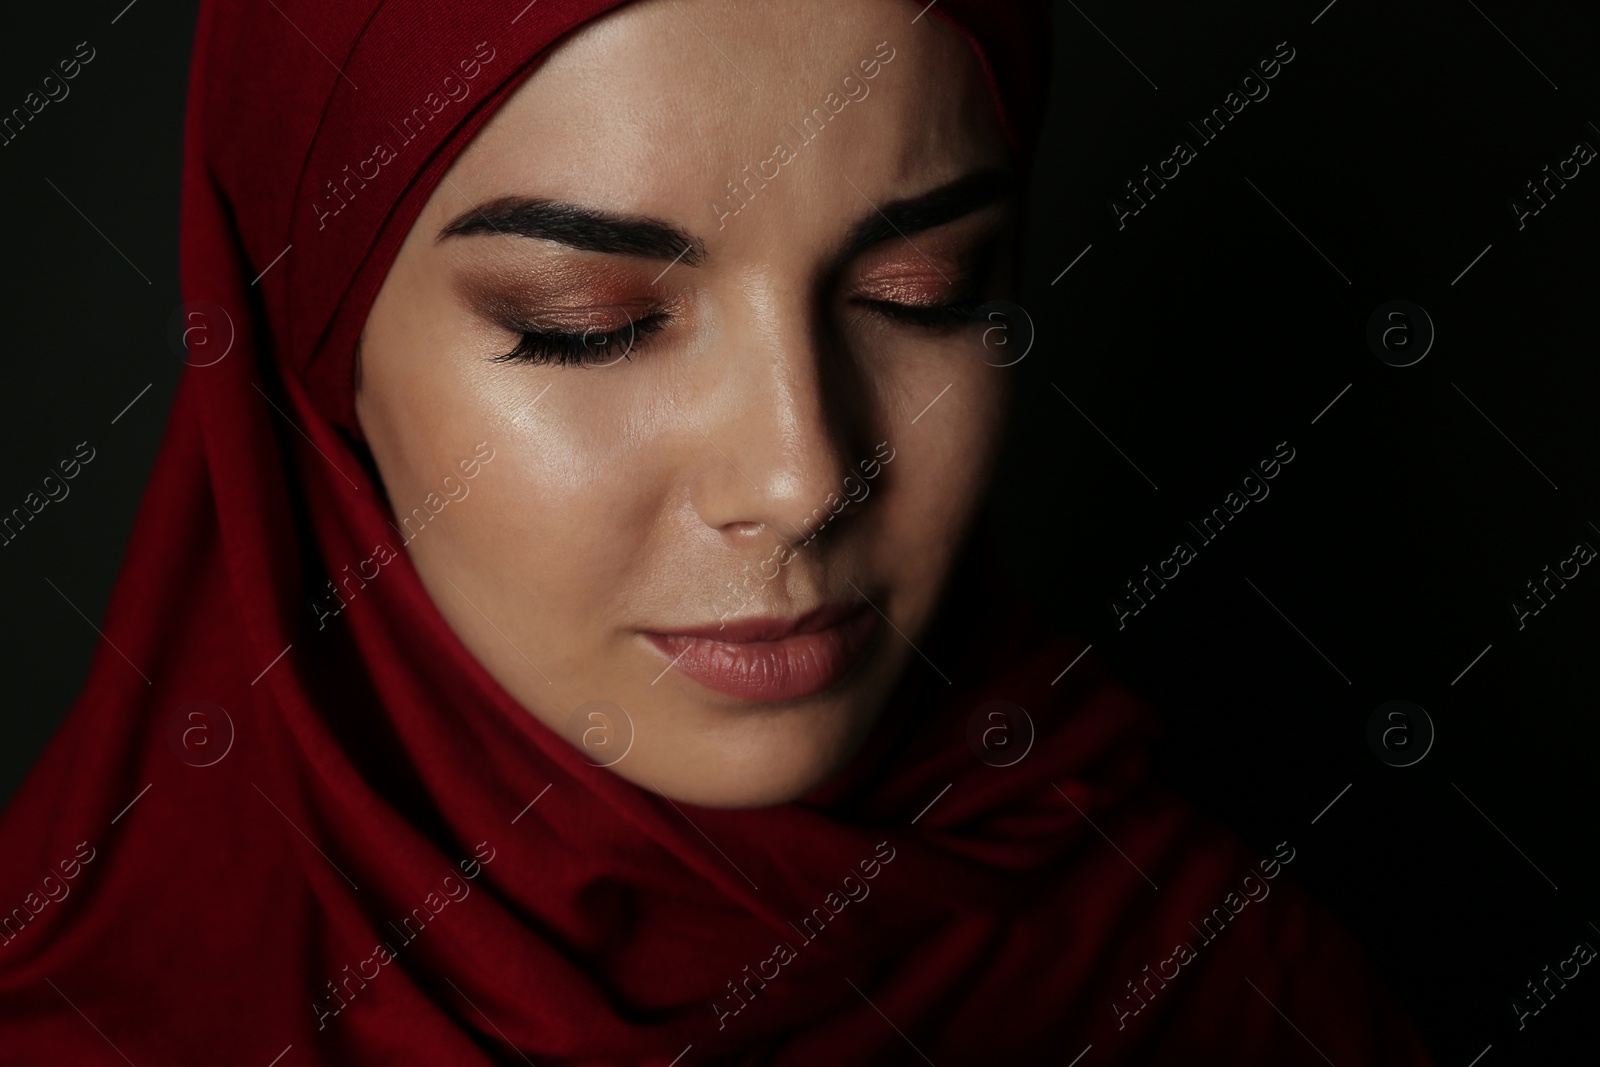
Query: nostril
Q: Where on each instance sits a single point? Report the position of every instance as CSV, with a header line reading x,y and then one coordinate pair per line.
x,y
746,529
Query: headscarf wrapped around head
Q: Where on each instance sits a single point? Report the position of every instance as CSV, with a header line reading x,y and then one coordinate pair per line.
x,y
256,836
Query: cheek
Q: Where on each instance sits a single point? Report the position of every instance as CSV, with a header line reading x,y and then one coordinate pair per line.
x,y
571,499
559,529
556,523
943,461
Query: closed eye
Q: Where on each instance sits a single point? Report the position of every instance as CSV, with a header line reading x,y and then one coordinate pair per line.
x,y
943,316
593,346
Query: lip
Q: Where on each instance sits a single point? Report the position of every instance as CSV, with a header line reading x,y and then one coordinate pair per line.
x,y
772,659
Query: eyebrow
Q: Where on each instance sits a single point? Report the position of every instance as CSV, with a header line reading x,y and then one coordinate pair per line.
x,y
947,203
589,230
577,227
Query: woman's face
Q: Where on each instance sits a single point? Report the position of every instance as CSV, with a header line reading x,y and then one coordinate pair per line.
x,y
704,289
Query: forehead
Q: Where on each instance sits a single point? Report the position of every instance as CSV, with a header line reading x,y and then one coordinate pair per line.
x,y
672,108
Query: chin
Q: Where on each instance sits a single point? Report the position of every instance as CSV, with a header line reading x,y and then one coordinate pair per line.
x,y
758,764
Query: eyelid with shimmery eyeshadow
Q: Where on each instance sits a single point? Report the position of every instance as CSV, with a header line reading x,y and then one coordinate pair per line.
x,y
603,347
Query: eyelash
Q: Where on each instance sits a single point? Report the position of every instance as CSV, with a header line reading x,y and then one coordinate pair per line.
x,y
563,349
926,316
566,349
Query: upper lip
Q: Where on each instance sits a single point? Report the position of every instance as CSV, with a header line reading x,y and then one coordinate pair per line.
x,y
770,627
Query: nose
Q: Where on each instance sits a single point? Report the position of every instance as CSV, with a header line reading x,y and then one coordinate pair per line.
x,y
778,425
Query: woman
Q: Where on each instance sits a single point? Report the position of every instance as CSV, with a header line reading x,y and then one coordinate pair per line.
x,y
559,627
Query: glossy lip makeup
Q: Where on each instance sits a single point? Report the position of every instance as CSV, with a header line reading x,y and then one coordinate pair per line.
x,y
766,660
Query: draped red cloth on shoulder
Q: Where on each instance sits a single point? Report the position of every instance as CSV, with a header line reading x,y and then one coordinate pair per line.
x,y
257,842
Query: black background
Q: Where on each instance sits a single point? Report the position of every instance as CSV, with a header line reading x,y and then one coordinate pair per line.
x,y
1211,326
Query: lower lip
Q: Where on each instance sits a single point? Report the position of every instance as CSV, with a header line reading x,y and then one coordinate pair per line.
x,y
797,666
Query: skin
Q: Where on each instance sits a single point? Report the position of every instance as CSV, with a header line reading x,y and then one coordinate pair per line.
x,y
636,496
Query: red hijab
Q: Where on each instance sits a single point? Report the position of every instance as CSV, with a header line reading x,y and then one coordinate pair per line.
x,y
254,839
